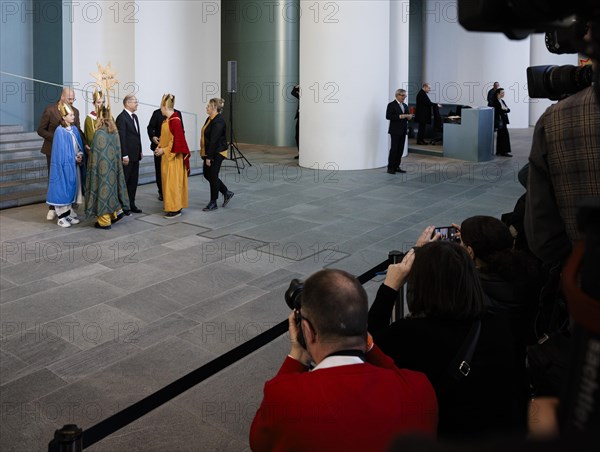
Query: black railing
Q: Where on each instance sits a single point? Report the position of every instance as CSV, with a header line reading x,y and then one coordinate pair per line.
x,y
72,439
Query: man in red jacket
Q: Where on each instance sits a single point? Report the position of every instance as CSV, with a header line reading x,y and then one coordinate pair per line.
x,y
354,398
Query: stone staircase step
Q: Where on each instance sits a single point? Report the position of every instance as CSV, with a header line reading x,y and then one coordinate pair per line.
x,y
23,198
16,136
23,153
10,128
20,144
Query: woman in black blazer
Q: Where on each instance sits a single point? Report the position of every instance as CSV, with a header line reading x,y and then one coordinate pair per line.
x,y
500,122
213,150
446,301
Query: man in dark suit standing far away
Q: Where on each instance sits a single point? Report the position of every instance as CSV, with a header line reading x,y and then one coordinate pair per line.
x,y
398,115
153,129
491,95
131,147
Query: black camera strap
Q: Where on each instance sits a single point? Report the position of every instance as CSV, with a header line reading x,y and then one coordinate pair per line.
x,y
460,366
357,353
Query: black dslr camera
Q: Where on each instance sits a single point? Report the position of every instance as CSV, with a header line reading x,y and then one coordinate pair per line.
x,y
565,24
293,298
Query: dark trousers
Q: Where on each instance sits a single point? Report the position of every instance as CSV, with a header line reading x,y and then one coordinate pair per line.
x,y
132,173
421,132
48,157
396,150
211,174
502,141
157,170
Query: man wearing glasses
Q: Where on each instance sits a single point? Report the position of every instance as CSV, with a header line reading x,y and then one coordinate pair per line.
x,y
131,147
353,397
398,115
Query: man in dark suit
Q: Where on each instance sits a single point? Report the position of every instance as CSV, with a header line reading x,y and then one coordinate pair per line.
x,y
131,147
49,121
491,95
398,115
154,134
423,113
296,94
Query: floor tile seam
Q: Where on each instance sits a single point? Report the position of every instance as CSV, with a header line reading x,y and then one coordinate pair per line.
x,y
57,364
65,383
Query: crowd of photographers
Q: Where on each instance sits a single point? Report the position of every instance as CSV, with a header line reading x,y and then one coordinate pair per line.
x,y
465,366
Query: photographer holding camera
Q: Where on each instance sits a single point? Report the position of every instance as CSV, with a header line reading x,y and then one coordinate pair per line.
x,y
354,398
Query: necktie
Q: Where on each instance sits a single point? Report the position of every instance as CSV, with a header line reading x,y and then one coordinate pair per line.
x,y
135,121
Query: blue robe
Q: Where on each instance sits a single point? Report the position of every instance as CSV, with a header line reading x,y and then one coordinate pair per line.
x,y
62,181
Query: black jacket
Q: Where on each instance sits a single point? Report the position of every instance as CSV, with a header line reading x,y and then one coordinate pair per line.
x,y
500,115
155,124
392,113
131,144
215,137
482,403
424,106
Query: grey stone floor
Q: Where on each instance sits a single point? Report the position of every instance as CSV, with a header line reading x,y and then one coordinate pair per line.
x,y
92,321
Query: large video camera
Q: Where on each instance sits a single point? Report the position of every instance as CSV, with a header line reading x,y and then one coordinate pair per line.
x,y
565,23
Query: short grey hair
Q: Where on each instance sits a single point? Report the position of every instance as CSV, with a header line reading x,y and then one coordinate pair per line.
x,y
400,91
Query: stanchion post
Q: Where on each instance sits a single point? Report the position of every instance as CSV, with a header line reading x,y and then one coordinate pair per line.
x,y
67,439
396,257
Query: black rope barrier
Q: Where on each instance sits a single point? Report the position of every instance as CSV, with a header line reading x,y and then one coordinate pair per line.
x,y
71,439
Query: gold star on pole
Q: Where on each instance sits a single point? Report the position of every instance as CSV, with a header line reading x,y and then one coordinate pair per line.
x,y
105,78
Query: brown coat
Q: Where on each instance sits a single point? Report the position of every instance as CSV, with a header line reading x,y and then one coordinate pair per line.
x,y
49,122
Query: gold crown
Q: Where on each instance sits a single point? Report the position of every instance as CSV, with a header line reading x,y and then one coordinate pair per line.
x,y
97,94
168,101
104,113
64,109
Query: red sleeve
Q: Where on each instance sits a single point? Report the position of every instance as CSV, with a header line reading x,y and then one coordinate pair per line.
x,y
265,426
179,144
376,357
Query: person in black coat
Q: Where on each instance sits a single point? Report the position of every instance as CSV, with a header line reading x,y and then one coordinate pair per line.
x,y
398,115
153,129
213,150
296,94
491,95
423,112
446,301
131,147
501,112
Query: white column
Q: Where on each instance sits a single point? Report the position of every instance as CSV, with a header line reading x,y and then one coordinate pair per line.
x,y
540,56
399,27
344,78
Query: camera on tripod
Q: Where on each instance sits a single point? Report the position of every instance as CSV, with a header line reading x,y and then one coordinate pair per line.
x,y
565,24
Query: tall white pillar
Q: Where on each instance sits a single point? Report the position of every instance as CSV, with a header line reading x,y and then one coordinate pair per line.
x,y
540,56
344,78
399,27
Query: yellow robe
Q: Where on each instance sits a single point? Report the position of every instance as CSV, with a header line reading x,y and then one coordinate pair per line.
x,y
173,172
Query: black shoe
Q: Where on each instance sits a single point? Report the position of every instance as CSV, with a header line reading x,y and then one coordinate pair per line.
x,y
160,198
391,172
210,206
398,170
172,214
506,154
119,217
136,210
127,213
227,197
97,226
297,157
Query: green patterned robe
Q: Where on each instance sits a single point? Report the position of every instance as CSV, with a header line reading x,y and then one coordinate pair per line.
x,y
106,191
